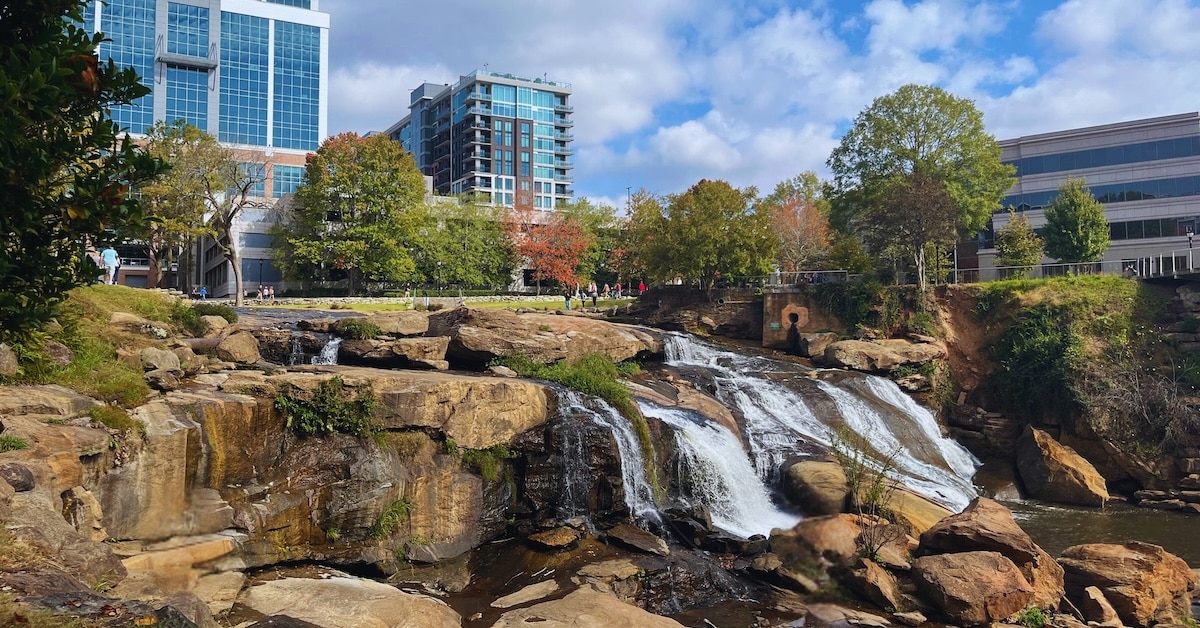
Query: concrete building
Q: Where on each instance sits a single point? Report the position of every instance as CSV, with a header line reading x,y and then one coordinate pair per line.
x,y
252,73
1145,172
498,135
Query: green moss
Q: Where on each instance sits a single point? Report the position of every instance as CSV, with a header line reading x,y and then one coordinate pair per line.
x,y
116,418
488,463
392,517
332,408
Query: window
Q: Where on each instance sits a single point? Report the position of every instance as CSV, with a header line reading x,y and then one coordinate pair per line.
x,y
130,25
187,32
187,96
1110,156
244,58
303,4
297,85
285,179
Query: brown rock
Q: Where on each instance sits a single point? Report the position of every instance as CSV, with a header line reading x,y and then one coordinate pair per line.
x,y
861,355
985,525
972,588
213,325
1143,582
526,595
8,360
918,511
58,353
587,607
402,323
832,538
639,539
875,584
814,345
1095,607
1055,473
82,510
164,379
344,602
556,538
240,347
18,476
818,487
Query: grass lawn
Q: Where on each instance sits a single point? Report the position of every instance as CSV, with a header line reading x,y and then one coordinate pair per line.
x,y
556,304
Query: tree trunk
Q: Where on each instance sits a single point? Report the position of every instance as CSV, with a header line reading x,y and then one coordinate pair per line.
x,y
232,256
919,258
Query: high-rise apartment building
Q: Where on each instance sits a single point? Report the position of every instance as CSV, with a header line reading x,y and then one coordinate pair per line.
x,y
252,73
498,135
1146,173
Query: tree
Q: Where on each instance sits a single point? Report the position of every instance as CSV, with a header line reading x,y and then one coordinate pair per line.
x,y
713,227
65,169
1076,229
229,189
467,244
552,243
357,216
175,199
1017,244
599,225
919,130
916,211
799,219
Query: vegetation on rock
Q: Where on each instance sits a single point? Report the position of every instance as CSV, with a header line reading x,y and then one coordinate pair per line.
x,y
392,517
488,463
116,418
357,329
12,443
331,408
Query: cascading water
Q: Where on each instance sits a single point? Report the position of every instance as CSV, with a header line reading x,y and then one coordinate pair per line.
x,y
779,420
718,475
297,354
329,352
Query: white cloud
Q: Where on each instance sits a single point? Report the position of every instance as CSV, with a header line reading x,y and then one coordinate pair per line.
x,y
371,96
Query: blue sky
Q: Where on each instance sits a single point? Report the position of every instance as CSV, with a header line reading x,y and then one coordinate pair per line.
x,y
667,92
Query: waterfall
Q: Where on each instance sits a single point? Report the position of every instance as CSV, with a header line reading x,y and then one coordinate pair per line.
x,y
297,354
779,421
639,496
329,352
717,475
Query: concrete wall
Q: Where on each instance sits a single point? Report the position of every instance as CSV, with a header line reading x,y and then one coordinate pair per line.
x,y
783,309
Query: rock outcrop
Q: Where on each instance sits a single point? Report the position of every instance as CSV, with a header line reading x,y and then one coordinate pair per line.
x,y
1144,583
972,588
816,486
880,355
345,602
1055,473
586,607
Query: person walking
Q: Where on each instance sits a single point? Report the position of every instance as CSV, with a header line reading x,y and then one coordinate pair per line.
x,y
617,289
592,292
108,259
641,287
203,293
567,296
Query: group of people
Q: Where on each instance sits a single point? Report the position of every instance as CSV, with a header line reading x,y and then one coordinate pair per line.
x,y
266,293
109,263
594,293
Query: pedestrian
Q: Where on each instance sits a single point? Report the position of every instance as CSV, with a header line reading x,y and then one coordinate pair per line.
x,y
592,292
117,270
203,293
108,259
271,293
641,286
617,289
260,293
607,292
97,265
567,295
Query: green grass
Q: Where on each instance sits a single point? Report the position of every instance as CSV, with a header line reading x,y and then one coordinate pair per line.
x,y
392,517
116,418
12,443
488,463
357,329
333,407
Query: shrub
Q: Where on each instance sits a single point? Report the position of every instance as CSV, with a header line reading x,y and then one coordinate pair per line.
x,y
333,408
12,443
391,518
223,310
921,322
870,487
357,328
115,418
1032,617
487,462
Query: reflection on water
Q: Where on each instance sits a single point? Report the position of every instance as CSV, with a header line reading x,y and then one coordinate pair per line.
x,y
1055,528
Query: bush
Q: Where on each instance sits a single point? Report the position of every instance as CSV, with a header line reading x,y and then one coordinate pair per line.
x,y
333,408
921,323
357,328
487,462
1032,617
391,518
12,443
223,310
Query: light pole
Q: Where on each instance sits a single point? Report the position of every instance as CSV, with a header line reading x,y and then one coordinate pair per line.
x,y
439,281
1189,235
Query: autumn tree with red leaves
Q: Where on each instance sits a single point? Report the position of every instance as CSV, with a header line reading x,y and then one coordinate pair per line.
x,y
799,218
552,243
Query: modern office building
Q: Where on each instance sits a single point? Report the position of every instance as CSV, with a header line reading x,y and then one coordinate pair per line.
x,y
252,73
498,135
1145,172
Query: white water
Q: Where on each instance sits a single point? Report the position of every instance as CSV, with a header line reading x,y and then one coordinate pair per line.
x,y
639,496
718,475
778,420
329,352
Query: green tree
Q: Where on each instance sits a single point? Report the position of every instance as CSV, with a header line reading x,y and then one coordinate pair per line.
x,y
357,216
65,168
1076,229
918,130
1017,245
471,243
713,227
915,212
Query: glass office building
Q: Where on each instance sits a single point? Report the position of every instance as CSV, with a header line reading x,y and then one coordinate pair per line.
x,y
1145,172
501,136
252,73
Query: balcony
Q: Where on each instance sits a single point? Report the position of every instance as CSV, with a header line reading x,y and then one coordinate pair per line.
x,y
564,108
563,163
477,95
479,139
563,177
564,150
480,110
563,121
563,136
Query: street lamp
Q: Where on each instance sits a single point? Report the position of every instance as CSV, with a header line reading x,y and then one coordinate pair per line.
x,y
1189,235
439,281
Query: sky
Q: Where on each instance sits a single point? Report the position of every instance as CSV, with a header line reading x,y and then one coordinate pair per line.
x,y
669,92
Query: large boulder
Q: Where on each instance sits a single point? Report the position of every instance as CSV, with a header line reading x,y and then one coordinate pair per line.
x,y
972,588
240,347
818,487
832,538
402,323
587,607
1144,583
814,345
8,360
345,602
985,525
478,336
153,358
861,355
1055,473
392,353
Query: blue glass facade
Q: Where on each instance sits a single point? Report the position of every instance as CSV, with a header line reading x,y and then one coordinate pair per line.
x,y
286,179
245,58
187,96
303,4
130,26
297,85
1114,193
187,30
1109,156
